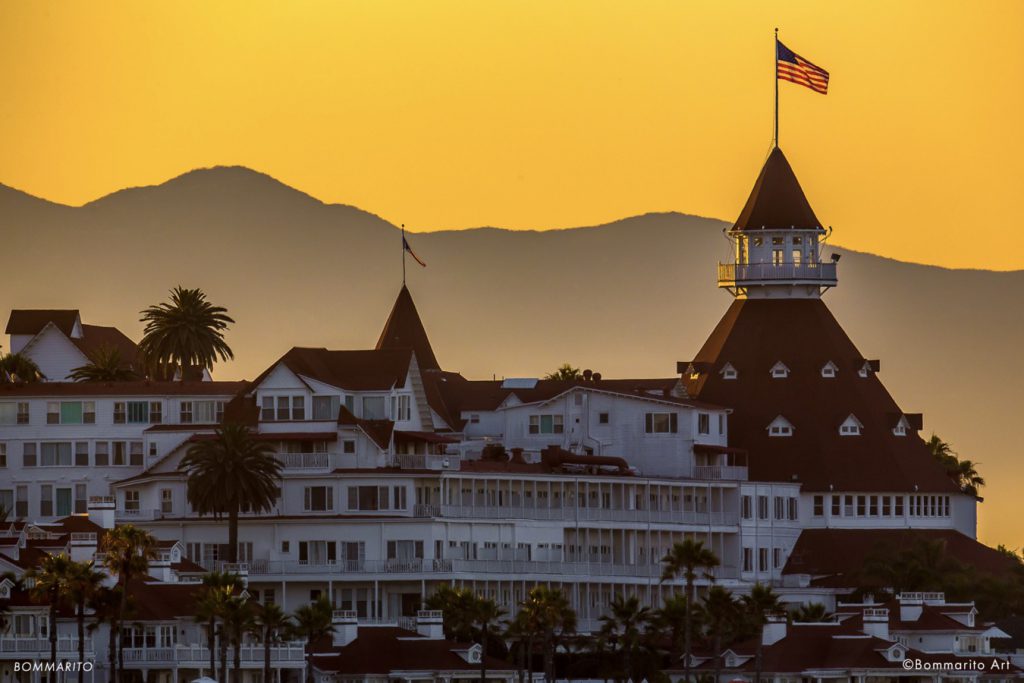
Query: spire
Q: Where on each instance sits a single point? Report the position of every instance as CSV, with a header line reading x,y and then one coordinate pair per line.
x,y
404,330
777,201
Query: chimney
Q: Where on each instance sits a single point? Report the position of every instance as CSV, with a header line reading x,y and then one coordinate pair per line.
x,y
876,622
774,629
346,627
101,511
430,624
910,606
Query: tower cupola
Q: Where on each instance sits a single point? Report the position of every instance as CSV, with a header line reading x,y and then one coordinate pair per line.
x,y
777,241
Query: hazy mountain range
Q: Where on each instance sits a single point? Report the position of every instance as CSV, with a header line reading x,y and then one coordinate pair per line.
x,y
627,299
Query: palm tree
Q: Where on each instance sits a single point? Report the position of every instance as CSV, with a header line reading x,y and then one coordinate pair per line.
x,y
185,334
269,623
51,583
963,472
553,618
565,372
761,602
129,551
83,583
217,588
672,616
457,605
106,605
19,368
521,630
238,620
229,472
623,623
723,617
313,622
685,559
105,365
810,613
486,616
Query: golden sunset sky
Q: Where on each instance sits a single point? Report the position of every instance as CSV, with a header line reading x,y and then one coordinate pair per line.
x,y
537,114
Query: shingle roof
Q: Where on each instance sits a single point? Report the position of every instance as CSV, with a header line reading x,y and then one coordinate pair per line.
x,y
32,321
752,336
366,370
777,200
97,337
384,649
404,330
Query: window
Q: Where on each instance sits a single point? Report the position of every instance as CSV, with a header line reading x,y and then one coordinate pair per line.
x,y
55,454
201,412
778,257
836,507
703,423
861,506
268,596
793,509
318,552
286,547
873,506
81,499
326,407
602,418
780,426
405,550
729,372
46,500
762,507
282,408
850,427
21,501
721,423
138,412
156,412
348,447
7,500
135,454
102,454
131,500
373,408
474,418
778,240
829,370
748,560
762,559
797,256
886,506
185,413
318,499
70,412
776,558
166,501
819,506
64,504
81,454
747,507
120,453
3,462
28,454
298,408
780,507
14,412
661,423
119,412
780,371
547,424
401,407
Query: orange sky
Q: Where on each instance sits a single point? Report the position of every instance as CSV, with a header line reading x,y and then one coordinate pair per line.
x,y
536,114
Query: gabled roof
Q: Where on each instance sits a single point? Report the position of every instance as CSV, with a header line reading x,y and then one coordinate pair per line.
x,y
404,330
371,370
753,335
777,200
385,649
32,321
379,431
97,337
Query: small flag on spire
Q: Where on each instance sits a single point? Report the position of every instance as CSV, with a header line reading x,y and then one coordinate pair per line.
x,y
405,245
794,68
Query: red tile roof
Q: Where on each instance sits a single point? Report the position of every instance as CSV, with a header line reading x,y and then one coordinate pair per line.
x,y
834,556
32,321
404,330
754,335
777,200
383,649
96,337
355,370
379,431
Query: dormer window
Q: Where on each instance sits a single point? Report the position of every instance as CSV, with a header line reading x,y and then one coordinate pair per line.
x,y
901,427
780,371
728,372
851,426
829,370
780,426
869,366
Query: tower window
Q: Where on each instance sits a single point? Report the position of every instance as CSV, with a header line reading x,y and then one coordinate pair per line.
x,y
780,371
780,426
728,371
851,426
829,370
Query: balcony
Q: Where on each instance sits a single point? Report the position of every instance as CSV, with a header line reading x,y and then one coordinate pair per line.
x,y
720,472
586,514
304,461
733,274
428,462
40,647
251,655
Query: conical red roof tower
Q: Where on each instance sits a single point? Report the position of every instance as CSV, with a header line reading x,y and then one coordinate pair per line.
x,y
404,330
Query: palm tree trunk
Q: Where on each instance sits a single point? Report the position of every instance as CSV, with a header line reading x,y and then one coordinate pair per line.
x,y
266,656
223,655
211,640
233,535
718,657
53,629
759,657
80,616
483,654
687,629
238,661
122,608
112,650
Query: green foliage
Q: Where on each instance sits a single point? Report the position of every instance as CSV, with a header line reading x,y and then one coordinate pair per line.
x,y
565,372
963,472
185,334
105,365
16,368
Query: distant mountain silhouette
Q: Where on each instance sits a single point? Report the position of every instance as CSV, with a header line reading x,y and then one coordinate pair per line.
x,y
627,298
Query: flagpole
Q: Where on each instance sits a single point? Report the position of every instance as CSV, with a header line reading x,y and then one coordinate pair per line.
x,y
775,69
403,254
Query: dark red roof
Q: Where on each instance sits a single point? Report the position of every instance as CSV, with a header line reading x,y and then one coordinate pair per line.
x,y
834,556
755,334
378,430
96,337
385,649
151,601
356,370
404,330
32,321
130,388
777,200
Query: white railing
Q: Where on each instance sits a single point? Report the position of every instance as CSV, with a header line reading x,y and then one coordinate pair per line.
x,y
730,273
428,462
250,654
720,472
304,461
407,623
41,646
83,536
589,514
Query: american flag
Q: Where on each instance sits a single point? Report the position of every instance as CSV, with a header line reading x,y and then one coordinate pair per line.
x,y
794,68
